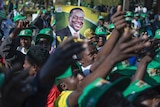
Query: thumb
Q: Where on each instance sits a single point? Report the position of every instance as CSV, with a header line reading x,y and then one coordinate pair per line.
x,y
119,8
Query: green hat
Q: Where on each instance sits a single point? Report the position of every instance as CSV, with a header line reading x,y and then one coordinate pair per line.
x,y
137,88
18,17
44,11
2,14
143,15
134,89
14,7
96,89
129,14
45,33
111,26
128,19
52,8
153,68
136,15
25,32
100,31
157,34
66,74
100,17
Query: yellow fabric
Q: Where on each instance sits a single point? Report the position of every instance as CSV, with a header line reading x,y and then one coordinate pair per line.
x,y
62,100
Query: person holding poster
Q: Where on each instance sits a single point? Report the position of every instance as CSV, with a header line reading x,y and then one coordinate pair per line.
x,y
75,23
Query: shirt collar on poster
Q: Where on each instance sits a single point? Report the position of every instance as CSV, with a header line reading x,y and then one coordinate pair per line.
x,y
73,32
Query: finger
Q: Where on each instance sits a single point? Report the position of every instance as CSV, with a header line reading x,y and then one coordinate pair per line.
x,y
119,8
137,47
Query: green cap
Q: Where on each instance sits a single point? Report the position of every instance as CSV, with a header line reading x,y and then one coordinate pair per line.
x,y
100,17
45,33
66,74
44,11
134,89
96,89
14,7
157,34
136,15
25,32
111,26
2,14
143,15
100,31
153,68
128,19
52,8
18,17
129,14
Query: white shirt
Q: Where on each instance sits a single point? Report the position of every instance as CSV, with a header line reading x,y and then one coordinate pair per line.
x,y
86,70
73,32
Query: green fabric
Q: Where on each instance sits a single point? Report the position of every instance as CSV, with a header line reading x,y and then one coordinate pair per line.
x,y
101,18
143,15
25,32
66,74
129,14
111,26
135,88
136,15
101,31
153,68
18,17
45,33
93,92
157,34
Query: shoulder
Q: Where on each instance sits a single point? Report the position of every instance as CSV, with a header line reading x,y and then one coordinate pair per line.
x,y
62,99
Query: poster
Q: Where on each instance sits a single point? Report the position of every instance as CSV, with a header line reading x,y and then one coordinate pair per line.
x,y
78,20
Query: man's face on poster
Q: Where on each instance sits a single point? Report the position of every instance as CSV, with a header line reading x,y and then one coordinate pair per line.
x,y
76,20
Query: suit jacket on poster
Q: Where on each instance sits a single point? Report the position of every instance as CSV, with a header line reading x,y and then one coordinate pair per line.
x,y
63,34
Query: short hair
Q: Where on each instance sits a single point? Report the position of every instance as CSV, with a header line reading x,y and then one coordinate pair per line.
x,y
37,55
75,9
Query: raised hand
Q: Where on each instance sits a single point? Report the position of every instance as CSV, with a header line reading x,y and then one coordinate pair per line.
x,y
127,47
59,61
118,19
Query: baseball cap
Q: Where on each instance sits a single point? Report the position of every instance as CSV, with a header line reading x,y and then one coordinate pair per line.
x,y
18,17
96,89
157,34
45,33
136,88
100,31
66,74
25,32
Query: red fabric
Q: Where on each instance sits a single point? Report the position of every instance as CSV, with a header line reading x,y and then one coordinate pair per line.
x,y
53,94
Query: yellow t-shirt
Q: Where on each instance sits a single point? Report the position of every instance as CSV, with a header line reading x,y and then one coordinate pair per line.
x,y
62,100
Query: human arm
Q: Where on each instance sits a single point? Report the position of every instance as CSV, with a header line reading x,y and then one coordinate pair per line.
x,y
119,22
124,49
148,56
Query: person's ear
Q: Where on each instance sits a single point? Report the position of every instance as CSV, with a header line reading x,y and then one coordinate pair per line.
x,y
63,86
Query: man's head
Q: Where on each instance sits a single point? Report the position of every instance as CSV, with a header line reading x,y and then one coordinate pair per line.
x,y
45,38
70,78
76,18
25,38
35,58
88,56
